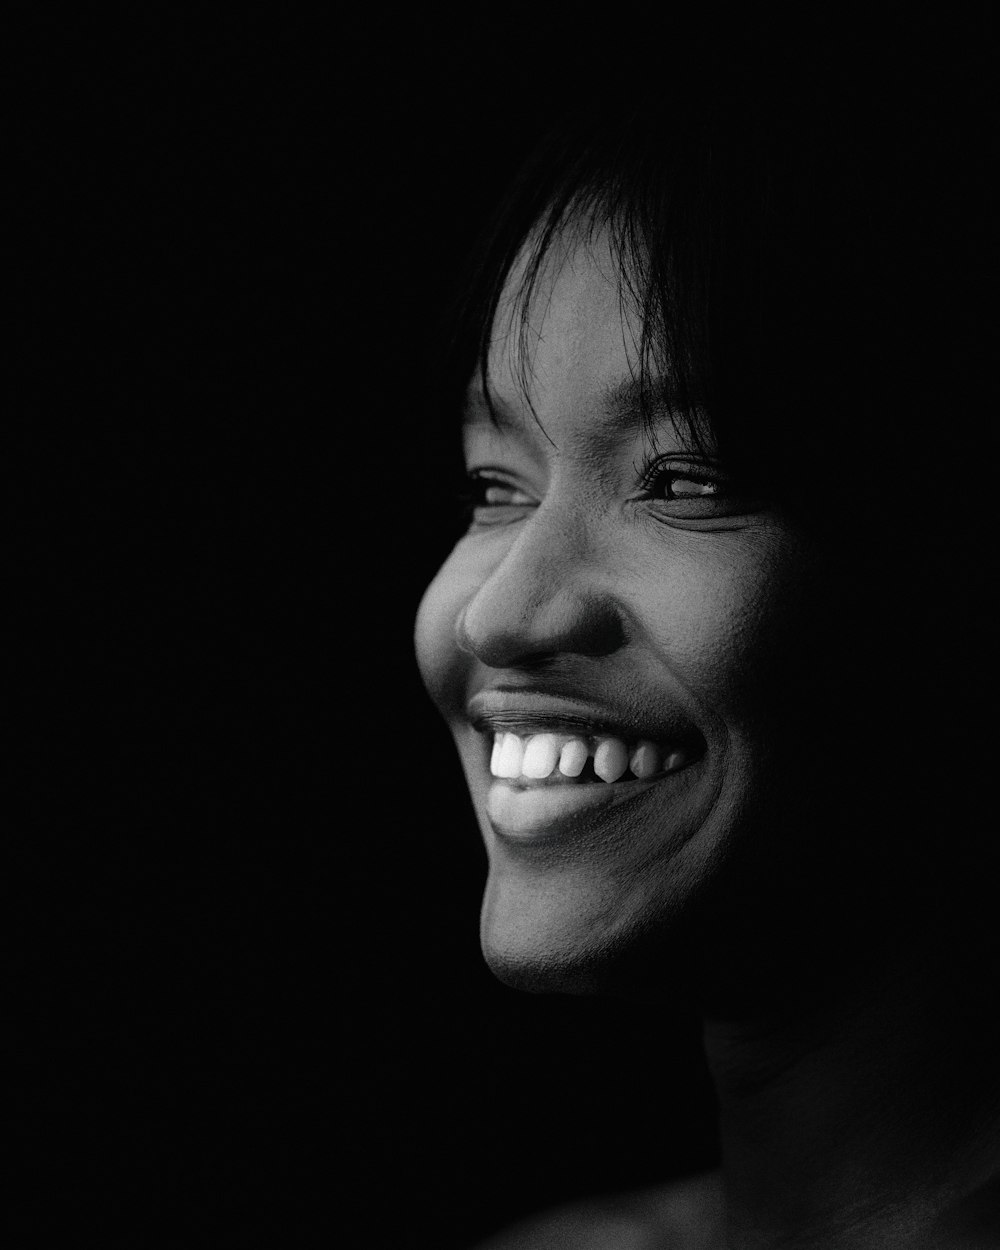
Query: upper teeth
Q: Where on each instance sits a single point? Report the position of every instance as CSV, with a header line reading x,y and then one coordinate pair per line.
x,y
540,755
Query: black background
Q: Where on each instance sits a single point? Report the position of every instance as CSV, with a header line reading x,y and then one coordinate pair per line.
x,y
248,1003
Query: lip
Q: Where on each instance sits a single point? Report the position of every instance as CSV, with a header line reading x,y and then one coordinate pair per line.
x,y
526,711
540,814
549,814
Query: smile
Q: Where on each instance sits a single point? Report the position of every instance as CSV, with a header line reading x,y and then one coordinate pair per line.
x,y
547,759
545,784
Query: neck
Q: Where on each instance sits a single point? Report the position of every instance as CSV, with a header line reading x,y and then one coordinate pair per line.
x,y
871,1120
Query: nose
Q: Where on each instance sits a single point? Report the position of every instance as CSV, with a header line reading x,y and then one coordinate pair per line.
x,y
547,595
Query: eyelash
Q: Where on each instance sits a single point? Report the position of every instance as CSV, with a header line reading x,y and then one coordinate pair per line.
x,y
654,472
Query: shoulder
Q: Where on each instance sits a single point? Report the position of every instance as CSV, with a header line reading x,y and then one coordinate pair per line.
x,y
684,1215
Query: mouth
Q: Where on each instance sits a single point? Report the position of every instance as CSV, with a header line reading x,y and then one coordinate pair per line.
x,y
560,759
552,768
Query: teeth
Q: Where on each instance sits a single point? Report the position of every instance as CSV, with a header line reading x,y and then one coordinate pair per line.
x,y
573,757
536,758
540,756
610,759
645,760
510,756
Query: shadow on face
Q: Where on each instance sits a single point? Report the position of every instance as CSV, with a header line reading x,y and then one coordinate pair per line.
x,y
726,548
619,587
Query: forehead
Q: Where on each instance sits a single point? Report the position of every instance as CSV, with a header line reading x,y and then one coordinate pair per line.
x,y
563,331
564,355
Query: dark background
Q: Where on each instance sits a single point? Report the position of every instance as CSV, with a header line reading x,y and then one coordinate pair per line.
x,y
248,1004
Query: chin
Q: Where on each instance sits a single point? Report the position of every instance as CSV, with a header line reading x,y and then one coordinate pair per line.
x,y
542,972
567,937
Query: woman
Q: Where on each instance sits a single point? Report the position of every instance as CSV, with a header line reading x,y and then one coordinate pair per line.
x,y
707,648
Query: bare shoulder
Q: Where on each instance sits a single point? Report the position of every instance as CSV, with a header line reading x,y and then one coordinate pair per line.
x,y
684,1215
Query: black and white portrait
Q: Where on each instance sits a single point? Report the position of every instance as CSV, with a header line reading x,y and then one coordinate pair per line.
x,y
501,663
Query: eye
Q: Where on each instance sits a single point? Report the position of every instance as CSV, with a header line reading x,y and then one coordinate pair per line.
x,y
490,498
676,485
687,490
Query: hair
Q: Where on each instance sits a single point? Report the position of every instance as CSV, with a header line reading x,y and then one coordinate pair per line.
x,y
804,242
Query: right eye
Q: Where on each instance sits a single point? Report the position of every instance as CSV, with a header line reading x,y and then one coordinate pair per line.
x,y
492,499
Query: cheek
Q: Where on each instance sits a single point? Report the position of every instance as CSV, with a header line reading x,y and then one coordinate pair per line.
x,y
732,622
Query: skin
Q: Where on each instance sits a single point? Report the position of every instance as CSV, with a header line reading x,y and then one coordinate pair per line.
x,y
589,586
722,618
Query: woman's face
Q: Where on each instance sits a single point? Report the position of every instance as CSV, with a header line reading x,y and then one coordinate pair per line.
x,y
624,632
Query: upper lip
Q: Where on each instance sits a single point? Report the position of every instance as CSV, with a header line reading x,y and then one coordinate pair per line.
x,y
531,710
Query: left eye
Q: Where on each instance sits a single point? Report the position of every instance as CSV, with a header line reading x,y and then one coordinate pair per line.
x,y
694,492
675,484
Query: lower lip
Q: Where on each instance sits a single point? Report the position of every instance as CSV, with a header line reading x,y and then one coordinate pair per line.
x,y
532,812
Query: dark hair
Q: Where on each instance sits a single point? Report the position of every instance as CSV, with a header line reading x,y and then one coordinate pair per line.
x,y
805,241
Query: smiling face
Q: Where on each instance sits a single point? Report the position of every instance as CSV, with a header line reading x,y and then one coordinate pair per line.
x,y
621,644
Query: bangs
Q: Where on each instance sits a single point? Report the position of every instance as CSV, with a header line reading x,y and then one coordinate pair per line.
x,y
798,257
573,195
668,371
